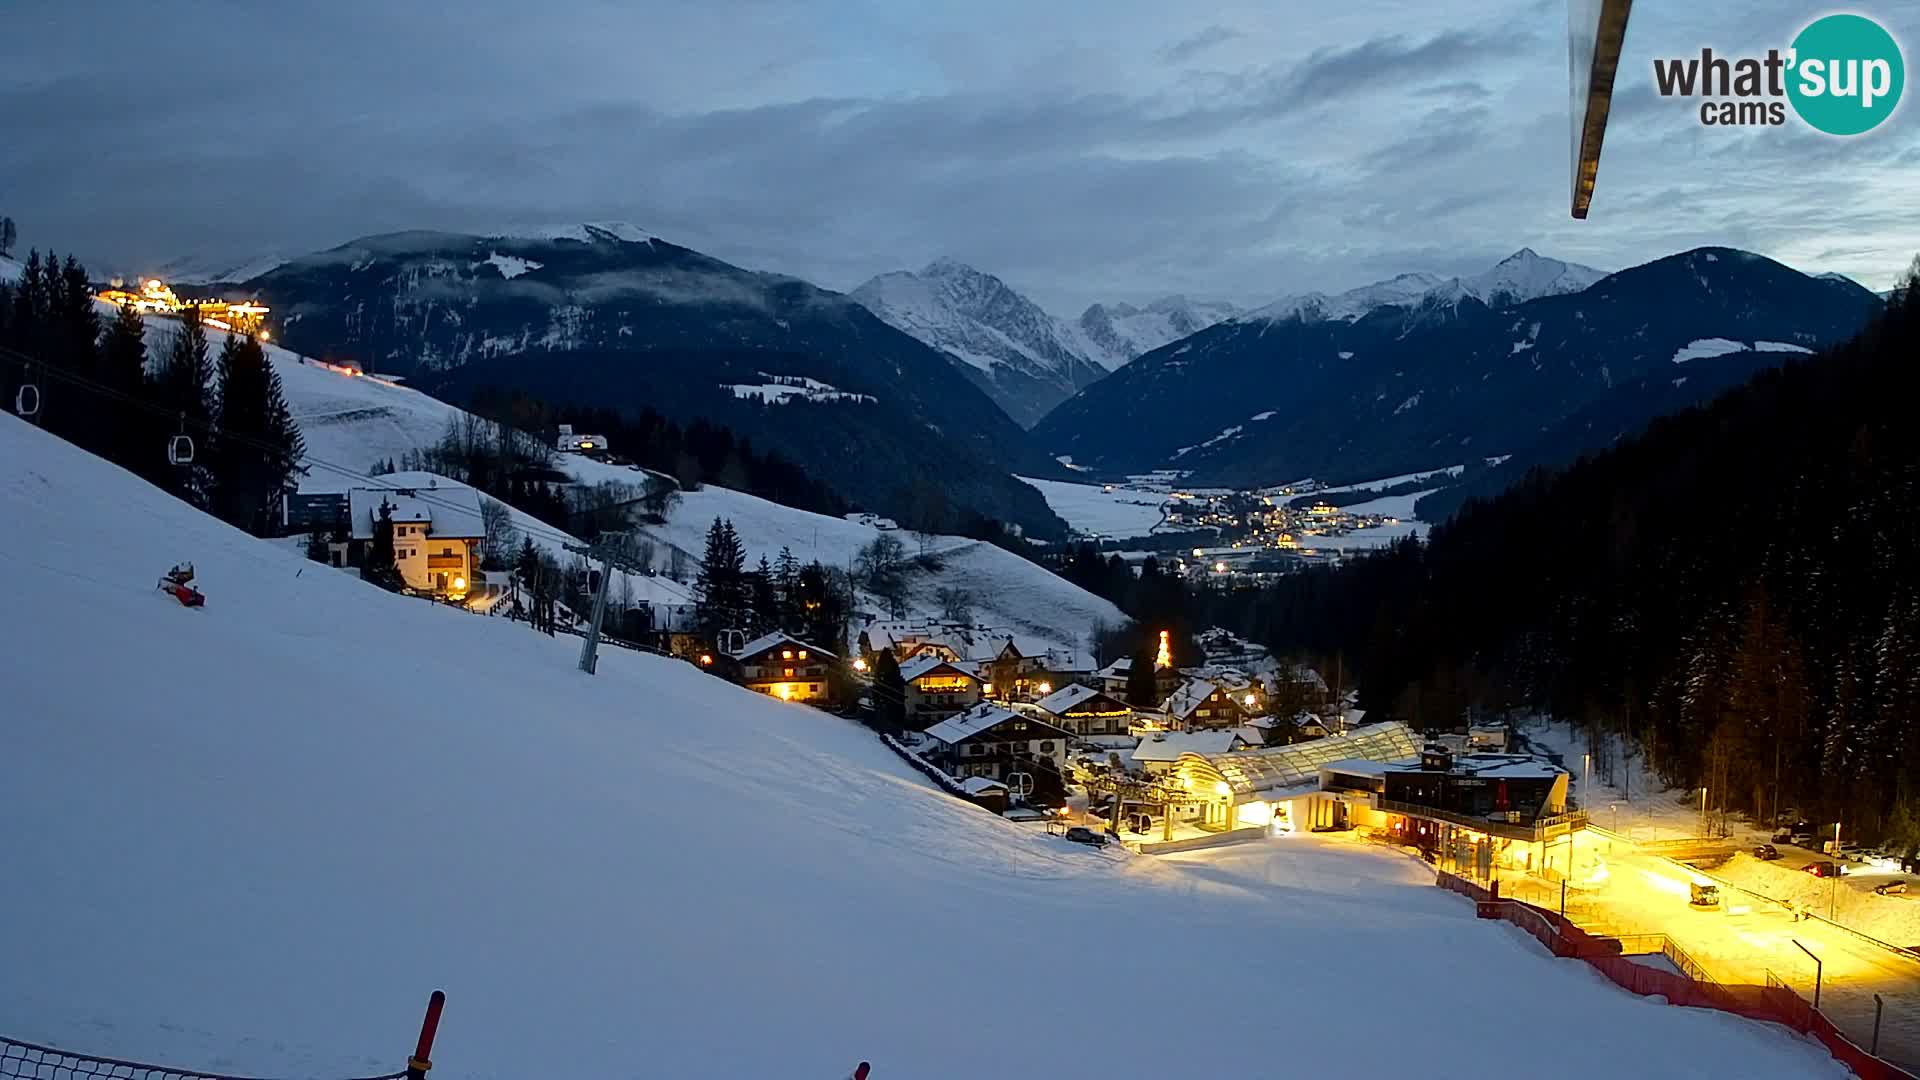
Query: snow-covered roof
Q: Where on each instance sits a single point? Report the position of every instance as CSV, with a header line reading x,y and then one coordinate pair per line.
x,y
974,785
452,510
1168,746
1118,668
1496,767
1189,697
927,662
981,718
767,641
1364,766
1069,696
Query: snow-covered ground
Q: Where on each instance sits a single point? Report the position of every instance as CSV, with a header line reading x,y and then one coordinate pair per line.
x,y
1040,609
1391,481
279,820
1091,509
1394,506
352,421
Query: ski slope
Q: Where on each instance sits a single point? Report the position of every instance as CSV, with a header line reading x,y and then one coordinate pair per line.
x,y
251,837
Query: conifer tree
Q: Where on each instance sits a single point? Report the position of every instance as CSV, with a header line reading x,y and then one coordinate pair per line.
x,y
720,588
134,435
181,388
259,444
379,566
889,693
1143,689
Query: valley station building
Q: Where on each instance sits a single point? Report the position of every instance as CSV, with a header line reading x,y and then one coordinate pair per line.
x,y
1475,808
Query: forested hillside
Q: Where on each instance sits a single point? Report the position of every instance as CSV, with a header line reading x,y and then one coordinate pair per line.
x,y
1738,589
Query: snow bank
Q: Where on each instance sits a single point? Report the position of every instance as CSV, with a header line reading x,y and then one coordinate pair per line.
x,y
256,834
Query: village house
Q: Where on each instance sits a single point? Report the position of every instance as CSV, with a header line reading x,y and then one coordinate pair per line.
x,y
436,535
1202,704
937,688
1086,712
1113,679
782,666
994,742
1158,752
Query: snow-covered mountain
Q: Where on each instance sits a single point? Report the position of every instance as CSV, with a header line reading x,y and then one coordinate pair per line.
x,y
1025,359
607,314
1524,275
1114,334
1379,381
207,269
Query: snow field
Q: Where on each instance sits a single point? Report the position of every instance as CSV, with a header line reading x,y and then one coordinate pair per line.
x,y
281,819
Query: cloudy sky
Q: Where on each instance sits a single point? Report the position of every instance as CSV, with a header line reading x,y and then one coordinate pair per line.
x,y
1119,149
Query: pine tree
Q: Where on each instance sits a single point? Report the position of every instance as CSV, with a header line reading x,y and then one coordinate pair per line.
x,y
786,576
379,566
134,434
181,388
720,589
9,235
1143,689
764,597
889,693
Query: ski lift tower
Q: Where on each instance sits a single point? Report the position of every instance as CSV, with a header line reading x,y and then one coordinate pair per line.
x,y
1596,30
608,558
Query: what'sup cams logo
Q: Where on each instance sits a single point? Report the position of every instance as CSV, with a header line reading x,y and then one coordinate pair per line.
x,y
1843,75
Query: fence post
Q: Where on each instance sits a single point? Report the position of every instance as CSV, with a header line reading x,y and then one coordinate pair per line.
x,y
422,1058
1878,1005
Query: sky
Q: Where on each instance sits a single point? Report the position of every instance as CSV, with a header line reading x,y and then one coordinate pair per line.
x,y
1101,151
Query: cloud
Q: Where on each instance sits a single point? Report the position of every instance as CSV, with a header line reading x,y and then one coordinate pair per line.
x,y
1079,153
1189,47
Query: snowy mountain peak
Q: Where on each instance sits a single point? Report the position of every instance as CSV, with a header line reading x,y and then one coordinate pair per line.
x,y
589,232
1522,276
1113,334
1025,358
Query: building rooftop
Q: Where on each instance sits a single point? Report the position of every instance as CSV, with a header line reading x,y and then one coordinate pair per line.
x,y
984,717
1253,774
1185,700
452,510
927,662
1168,746
1493,767
1069,696
768,641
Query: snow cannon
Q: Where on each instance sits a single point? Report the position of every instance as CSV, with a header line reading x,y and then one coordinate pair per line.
x,y
178,581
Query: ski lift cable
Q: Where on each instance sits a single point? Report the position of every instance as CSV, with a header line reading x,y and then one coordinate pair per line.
x,y
542,532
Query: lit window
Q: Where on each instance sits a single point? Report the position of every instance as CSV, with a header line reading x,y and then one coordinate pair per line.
x,y
803,654
786,654
789,673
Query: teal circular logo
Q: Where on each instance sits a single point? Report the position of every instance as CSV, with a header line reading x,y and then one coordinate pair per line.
x,y
1847,74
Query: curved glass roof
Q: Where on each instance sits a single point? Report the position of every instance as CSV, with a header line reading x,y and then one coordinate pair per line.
x,y
1250,773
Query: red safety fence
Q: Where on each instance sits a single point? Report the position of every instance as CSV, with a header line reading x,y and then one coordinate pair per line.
x,y
1774,1002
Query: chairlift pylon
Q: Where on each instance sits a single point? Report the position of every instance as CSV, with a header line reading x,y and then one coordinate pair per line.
x,y
26,401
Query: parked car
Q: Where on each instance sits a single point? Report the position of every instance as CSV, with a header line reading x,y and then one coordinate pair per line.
x,y
1822,869
1766,852
1784,836
1704,896
1891,888
1080,834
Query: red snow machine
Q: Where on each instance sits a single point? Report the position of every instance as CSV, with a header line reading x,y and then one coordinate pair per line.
x,y
177,581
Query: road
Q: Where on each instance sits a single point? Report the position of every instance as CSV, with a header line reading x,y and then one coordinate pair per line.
x,y
1744,940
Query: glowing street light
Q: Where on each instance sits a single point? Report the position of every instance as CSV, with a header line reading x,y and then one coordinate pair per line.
x,y
859,663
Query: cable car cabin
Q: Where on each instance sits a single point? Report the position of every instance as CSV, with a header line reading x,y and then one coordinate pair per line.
x,y
180,450
26,401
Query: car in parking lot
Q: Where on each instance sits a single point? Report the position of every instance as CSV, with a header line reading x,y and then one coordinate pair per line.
x,y
1766,852
1891,888
1080,834
1822,869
